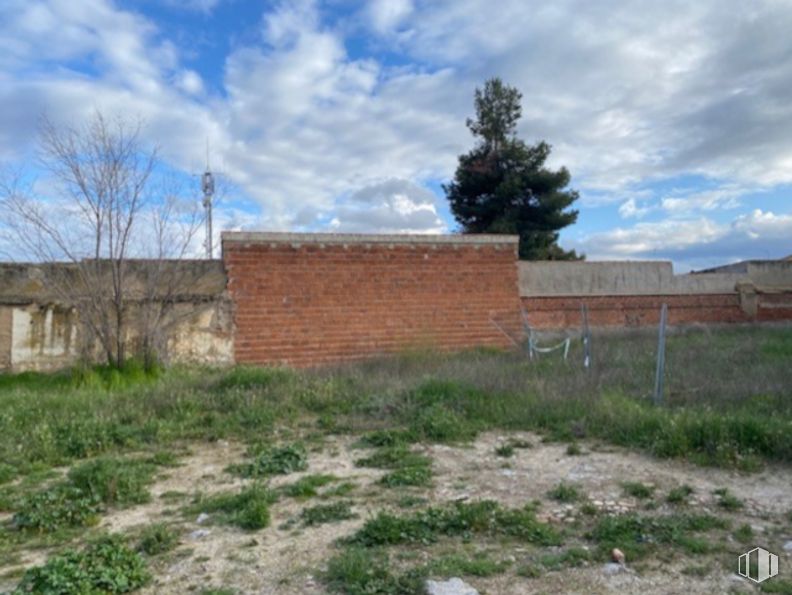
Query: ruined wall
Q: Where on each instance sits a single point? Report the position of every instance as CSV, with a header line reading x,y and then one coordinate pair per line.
x,y
631,293
38,333
306,299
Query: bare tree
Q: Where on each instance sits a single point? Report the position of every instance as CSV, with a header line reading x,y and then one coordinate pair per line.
x,y
101,208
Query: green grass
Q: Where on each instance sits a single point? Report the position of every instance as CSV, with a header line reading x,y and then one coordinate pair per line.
x,y
107,566
363,571
505,450
327,513
114,481
247,509
408,476
397,457
639,490
727,500
308,486
638,536
274,460
157,539
572,557
679,495
565,492
457,519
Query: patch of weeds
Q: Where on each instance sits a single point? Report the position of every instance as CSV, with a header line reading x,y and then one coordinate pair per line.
x,y
251,377
163,458
679,495
456,565
505,451
385,438
107,566
438,423
639,490
342,489
327,513
173,495
565,492
114,481
529,571
409,476
744,533
158,539
220,591
62,505
699,571
589,509
638,535
397,457
247,509
363,571
7,473
574,450
411,501
518,443
308,486
777,585
457,519
575,556
727,500
280,460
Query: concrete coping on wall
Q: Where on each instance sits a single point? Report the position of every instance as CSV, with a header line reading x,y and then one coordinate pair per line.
x,y
264,237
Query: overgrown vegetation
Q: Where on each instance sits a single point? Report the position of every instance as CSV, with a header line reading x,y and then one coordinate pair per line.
x,y
327,513
247,509
107,566
274,460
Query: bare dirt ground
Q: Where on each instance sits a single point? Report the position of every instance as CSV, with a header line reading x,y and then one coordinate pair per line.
x,y
287,558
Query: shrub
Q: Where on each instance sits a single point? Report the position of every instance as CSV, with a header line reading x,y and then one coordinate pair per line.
x,y
107,566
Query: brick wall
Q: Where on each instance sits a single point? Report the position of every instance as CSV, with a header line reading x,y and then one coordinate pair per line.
x,y
634,310
306,299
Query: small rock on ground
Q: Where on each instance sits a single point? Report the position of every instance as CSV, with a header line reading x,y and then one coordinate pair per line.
x,y
613,568
453,586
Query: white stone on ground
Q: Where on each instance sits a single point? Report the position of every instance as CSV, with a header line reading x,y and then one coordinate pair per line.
x,y
453,586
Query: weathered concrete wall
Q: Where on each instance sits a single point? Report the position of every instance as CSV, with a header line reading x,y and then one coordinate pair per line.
x,y
305,299
44,337
631,293
6,321
37,332
574,278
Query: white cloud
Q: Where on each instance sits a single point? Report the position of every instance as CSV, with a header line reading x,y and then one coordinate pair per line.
x,y
301,123
386,15
696,243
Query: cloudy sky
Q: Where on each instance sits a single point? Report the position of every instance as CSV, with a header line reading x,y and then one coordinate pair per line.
x,y
674,117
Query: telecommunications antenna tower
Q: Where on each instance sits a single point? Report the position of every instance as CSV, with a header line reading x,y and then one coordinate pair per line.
x,y
208,188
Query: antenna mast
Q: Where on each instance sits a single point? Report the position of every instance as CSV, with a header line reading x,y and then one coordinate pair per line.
x,y
208,188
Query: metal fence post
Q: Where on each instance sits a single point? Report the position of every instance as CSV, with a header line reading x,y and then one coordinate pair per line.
x,y
586,336
659,375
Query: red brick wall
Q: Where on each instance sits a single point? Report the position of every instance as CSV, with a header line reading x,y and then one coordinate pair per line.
x,y
310,303
634,310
